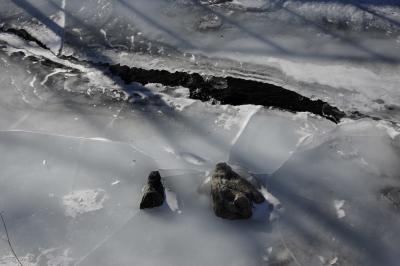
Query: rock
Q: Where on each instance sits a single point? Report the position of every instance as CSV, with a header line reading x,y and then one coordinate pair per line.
x,y
153,192
232,196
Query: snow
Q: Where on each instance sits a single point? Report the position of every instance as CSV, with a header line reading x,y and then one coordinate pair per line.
x,y
83,201
339,208
75,152
116,182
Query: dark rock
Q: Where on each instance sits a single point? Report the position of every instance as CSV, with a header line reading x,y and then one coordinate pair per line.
x,y
153,194
232,195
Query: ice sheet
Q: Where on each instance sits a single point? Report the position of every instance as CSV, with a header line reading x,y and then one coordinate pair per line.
x,y
75,152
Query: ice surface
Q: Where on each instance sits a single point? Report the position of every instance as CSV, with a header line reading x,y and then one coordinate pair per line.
x,y
59,205
343,52
73,209
76,152
271,137
326,193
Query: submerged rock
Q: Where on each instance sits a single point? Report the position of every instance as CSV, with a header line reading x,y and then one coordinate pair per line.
x,y
232,195
153,192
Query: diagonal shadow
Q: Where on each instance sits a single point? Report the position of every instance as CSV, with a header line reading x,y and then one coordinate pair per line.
x,y
195,128
346,232
350,42
39,15
374,251
155,24
280,50
247,31
376,14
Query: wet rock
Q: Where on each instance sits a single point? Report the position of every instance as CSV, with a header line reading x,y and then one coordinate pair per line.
x,y
392,195
153,192
232,195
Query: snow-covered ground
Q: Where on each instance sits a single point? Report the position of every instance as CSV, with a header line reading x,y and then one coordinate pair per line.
x,y
76,151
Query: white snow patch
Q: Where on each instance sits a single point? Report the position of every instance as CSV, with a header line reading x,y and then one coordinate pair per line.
x,y
116,182
338,204
333,261
83,201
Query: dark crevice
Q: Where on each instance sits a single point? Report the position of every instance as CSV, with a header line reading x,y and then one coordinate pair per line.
x,y
224,90
24,35
230,90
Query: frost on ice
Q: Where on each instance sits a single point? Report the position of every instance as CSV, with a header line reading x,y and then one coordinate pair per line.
x,y
83,201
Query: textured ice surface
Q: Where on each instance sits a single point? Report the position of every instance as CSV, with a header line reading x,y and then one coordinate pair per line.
x,y
343,52
331,195
75,158
75,152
